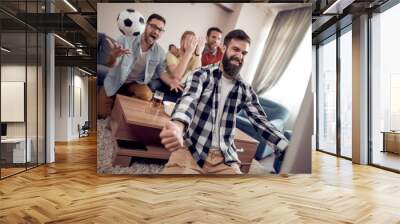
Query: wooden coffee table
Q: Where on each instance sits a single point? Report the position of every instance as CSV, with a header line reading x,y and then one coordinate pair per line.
x,y
391,141
136,126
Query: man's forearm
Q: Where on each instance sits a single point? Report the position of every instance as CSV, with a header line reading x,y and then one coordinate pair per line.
x,y
165,77
197,63
180,69
111,61
180,124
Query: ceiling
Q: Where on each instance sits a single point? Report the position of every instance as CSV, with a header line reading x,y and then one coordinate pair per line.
x,y
332,15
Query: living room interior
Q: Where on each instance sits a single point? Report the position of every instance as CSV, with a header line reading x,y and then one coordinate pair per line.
x,y
258,159
49,147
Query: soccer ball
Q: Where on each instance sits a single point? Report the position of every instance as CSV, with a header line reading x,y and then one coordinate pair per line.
x,y
131,22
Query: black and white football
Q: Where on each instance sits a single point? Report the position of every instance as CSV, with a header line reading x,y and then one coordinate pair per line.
x,y
131,22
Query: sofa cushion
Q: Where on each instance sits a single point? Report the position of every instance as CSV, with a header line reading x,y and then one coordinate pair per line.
x,y
277,115
263,150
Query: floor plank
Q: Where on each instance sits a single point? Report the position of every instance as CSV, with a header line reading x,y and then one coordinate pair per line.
x,y
70,191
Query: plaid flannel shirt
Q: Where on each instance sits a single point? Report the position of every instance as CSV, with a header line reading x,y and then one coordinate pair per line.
x,y
197,109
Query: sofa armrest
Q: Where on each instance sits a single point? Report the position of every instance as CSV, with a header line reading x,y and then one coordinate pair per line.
x,y
102,71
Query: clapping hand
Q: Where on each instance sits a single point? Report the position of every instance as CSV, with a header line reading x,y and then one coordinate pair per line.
x,y
190,44
200,45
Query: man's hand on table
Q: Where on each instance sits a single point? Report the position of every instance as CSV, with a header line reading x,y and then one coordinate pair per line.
x,y
172,135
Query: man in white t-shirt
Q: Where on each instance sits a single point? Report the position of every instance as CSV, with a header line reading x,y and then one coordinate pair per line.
x,y
135,62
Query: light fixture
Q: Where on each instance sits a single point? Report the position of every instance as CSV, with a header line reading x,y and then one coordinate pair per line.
x,y
79,51
5,50
64,40
70,5
84,71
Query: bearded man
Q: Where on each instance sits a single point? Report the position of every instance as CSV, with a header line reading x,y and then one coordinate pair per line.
x,y
200,135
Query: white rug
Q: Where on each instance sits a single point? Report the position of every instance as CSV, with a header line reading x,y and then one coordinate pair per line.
x,y
106,151
107,147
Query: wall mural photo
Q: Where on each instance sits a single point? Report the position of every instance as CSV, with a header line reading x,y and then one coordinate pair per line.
x,y
204,88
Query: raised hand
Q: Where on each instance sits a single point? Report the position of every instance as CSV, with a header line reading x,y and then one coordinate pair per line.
x,y
200,45
117,50
221,47
190,44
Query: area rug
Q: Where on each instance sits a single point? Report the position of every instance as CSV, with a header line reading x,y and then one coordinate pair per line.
x,y
106,151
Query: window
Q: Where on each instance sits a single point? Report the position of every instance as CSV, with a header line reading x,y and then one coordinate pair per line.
x,y
385,89
22,75
346,93
327,96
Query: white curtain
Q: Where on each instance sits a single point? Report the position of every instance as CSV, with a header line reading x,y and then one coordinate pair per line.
x,y
287,32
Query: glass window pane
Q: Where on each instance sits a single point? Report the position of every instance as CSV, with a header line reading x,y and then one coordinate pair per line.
x,y
385,84
14,146
327,97
41,98
31,97
346,94
23,87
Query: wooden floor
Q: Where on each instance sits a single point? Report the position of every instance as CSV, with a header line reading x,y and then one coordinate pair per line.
x,y
387,159
10,171
70,191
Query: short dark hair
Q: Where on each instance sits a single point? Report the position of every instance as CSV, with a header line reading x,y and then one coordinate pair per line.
x,y
211,29
157,17
170,46
238,35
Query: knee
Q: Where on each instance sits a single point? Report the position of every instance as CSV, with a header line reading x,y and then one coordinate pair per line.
x,y
145,95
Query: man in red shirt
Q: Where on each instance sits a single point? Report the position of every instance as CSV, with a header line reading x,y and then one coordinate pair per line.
x,y
213,51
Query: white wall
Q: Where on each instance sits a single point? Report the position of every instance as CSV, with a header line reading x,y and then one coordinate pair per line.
x,y
33,126
61,103
179,18
67,80
12,73
188,18
80,84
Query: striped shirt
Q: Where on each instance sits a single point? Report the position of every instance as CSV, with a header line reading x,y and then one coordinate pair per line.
x,y
197,109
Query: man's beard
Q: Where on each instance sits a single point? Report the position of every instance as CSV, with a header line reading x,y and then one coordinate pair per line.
x,y
231,69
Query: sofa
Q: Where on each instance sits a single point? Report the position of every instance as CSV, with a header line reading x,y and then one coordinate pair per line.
x,y
103,50
277,115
